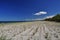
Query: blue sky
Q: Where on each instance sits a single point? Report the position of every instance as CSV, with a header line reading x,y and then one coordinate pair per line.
x,y
16,10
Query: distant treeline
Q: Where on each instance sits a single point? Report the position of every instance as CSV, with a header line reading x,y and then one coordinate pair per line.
x,y
55,18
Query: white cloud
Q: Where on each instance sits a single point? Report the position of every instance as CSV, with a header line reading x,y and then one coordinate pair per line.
x,y
40,13
37,19
50,16
34,19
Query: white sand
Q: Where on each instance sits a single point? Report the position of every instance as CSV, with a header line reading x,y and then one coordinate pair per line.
x,y
39,30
